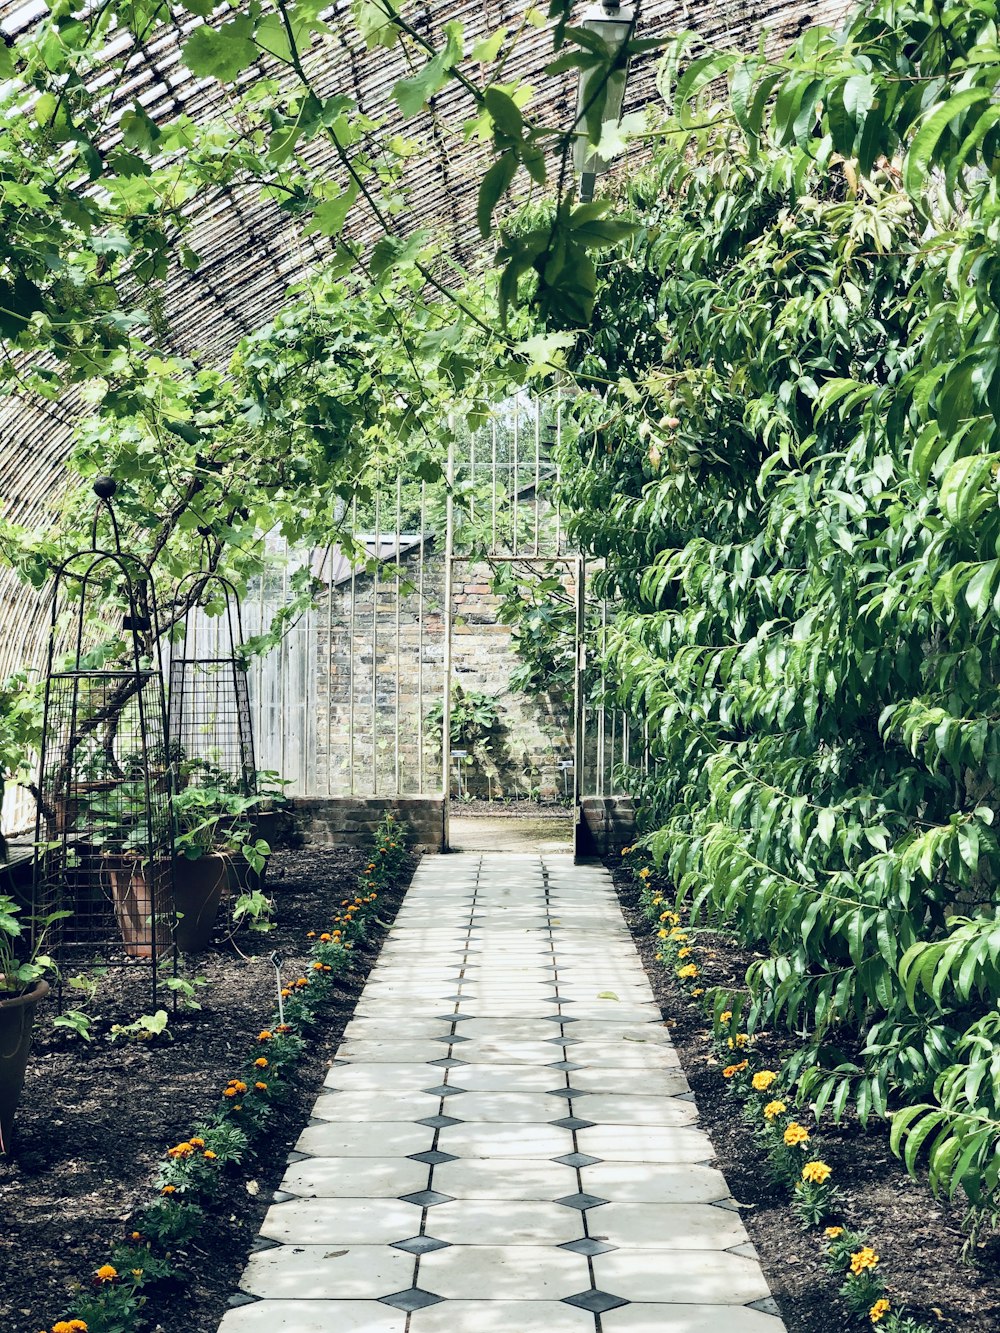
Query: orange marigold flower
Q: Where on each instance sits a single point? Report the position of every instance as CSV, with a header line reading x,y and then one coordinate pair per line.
x,y
685,952
833,1232
210,1155
864,1260
264,1036
68,1326
196,1143
261,1062
738,1042
763,1079
238,1084
283,1027
732,1070
230,1092
106,1273
796,1134
697,991
136,1235
879,1310
326,937
317,967
816,1173
645,872
181,1150
773,1109
310,934
261,1087
169,1189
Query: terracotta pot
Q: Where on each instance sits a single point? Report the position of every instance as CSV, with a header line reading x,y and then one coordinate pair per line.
x,y
198,890
17,1017
140,891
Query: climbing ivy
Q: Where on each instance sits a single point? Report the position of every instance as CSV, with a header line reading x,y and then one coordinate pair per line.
x,y
794,489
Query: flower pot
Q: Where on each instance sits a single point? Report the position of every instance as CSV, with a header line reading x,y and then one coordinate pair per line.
x,y
140,891
198,889
17,1017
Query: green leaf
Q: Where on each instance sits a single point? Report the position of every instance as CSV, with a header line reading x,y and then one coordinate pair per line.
x,y
920,157
492,188
220,53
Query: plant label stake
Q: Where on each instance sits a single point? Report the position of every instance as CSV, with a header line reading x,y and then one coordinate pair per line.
x,y
276,961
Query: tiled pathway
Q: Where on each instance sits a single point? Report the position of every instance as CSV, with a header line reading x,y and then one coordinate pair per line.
x,y
505,1142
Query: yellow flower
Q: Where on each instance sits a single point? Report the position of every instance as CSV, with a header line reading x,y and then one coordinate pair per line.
x,y
169,1189
260,1062
832,1233
626,850
671,918
210,1156
196,1143
326,937
136,1235
181,1150
69,1326
725,1016
816,1173
685,952
763,1079
661,934
864,1260
796,1134
230,1092
679,936
106,1273
738,1042
773,1109
697,991
261,1087
732,1070
659,957
879,1310
264,1036
137,1272
645,872
310,934
687,971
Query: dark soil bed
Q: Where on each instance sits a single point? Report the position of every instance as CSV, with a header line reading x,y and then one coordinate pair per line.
x,y
917,1236
95,1119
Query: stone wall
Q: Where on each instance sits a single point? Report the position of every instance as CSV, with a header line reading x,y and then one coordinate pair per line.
x,y
607,825
350,821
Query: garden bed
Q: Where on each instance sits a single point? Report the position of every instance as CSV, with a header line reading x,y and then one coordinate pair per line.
x,y
95,1119
917,1236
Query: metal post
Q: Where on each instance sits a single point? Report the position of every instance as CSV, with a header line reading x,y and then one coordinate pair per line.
x,y
581,665
449,551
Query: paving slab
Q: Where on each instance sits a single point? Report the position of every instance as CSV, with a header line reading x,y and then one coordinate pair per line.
x,y
505,1141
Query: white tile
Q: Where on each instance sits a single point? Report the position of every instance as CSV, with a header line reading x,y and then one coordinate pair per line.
x,y
701,1278
507,1078
640,1318
368,1104
354,1177
519,1272
645,1077
515,1107
628,1143
504,1222
291,1316
383,1076
632,1109
655,1182
668,1226
505,1140
380,1139
391,1052
319,1272
505,1178
341,1221
492,1316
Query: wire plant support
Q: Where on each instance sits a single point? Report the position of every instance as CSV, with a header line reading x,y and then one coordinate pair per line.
x,y
208,717
103,851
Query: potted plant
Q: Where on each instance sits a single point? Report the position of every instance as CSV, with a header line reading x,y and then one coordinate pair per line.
x,y
216,851
23,965
132,839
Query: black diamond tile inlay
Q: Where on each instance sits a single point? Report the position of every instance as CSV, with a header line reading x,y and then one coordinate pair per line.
x,y
413,1299
432,1158
449,1062
581,1201
577,1159
566,1066
573,1122
567,1092
595,1301
439,1121
560,1018
563,1041
241,1298
442,1090
425,1198
552,999
420,1245
453,1037
587,1246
